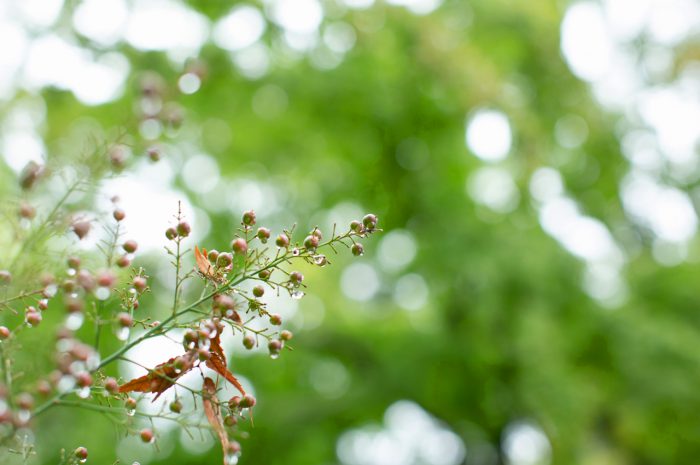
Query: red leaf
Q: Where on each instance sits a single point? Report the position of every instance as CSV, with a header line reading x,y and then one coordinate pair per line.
x,y
160,378
217,362
211,409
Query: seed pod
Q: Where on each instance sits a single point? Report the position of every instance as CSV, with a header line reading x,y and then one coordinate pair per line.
x,y
282,241
239,246
249,218
118,214
263,234
258,291
130,246
357,249
183,229
171,233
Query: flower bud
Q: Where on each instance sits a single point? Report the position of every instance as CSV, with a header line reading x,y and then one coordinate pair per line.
x,y
203,354
249,218
125,320
317,232
183,229
25,401
26,211
311,242
282,241
81,228
296,278
43,387
4,333
239,246
213,255
33,318
146,435
130,246
73,262
81,453
247,401
106,279
230,420
117,156
140,283
83,379
356,226
130,403
286,335
30,174
224,259
43,304
258,291
170,233
123,261
5,277
264,274
263,234
153,153
234,402
275,319
370,222
111,385
119,214
357,249
249,341
274,346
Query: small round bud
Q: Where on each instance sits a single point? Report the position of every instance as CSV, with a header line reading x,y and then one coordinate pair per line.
x,y
4,332
234,402
130,403
183,229
357,249
170,233
370,222
224,259
81,228
176,406
239,246
264,274
275,319
230,420
30,174
85,280
130,246
73,262
140,283
296,277
81,453
106,279
119,214
356,226
25,401
117,156
43,387
125,320
282,241
263,234
27,211
258,291
274,346
146,435
248,341
286,335
5,277
33,318
111,385
74,305
153,153
247,401
213,255
123,261
203,354
83,379
311,242
249,218
233,448
43,304
317,232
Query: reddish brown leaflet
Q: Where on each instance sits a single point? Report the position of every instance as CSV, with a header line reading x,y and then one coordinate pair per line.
x,y
203,263
217,362
161,378
211,409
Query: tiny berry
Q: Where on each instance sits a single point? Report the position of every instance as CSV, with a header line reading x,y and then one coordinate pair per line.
x,y
33,318
249,218
43,304
171,233
81,228
130,246
296,277
83,379
176,406
356,226
85,280
370,222
125,320
25,401
317,232
119,214
264,274
248,341
233,448
146,435
275,319
123,261
234,402
239,246
263,234
68,285
130,403
274,346
311,242
73,262
230,420
27,211
258,291
117,156
224,259
357,249
43,387
282,240
140,283
247,401
81,453
213,255
4,332
203,354
5,277
106,279
286,335
111,385
153,153
183,229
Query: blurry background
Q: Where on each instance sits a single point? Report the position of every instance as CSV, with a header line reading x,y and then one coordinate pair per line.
x,y
534,164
